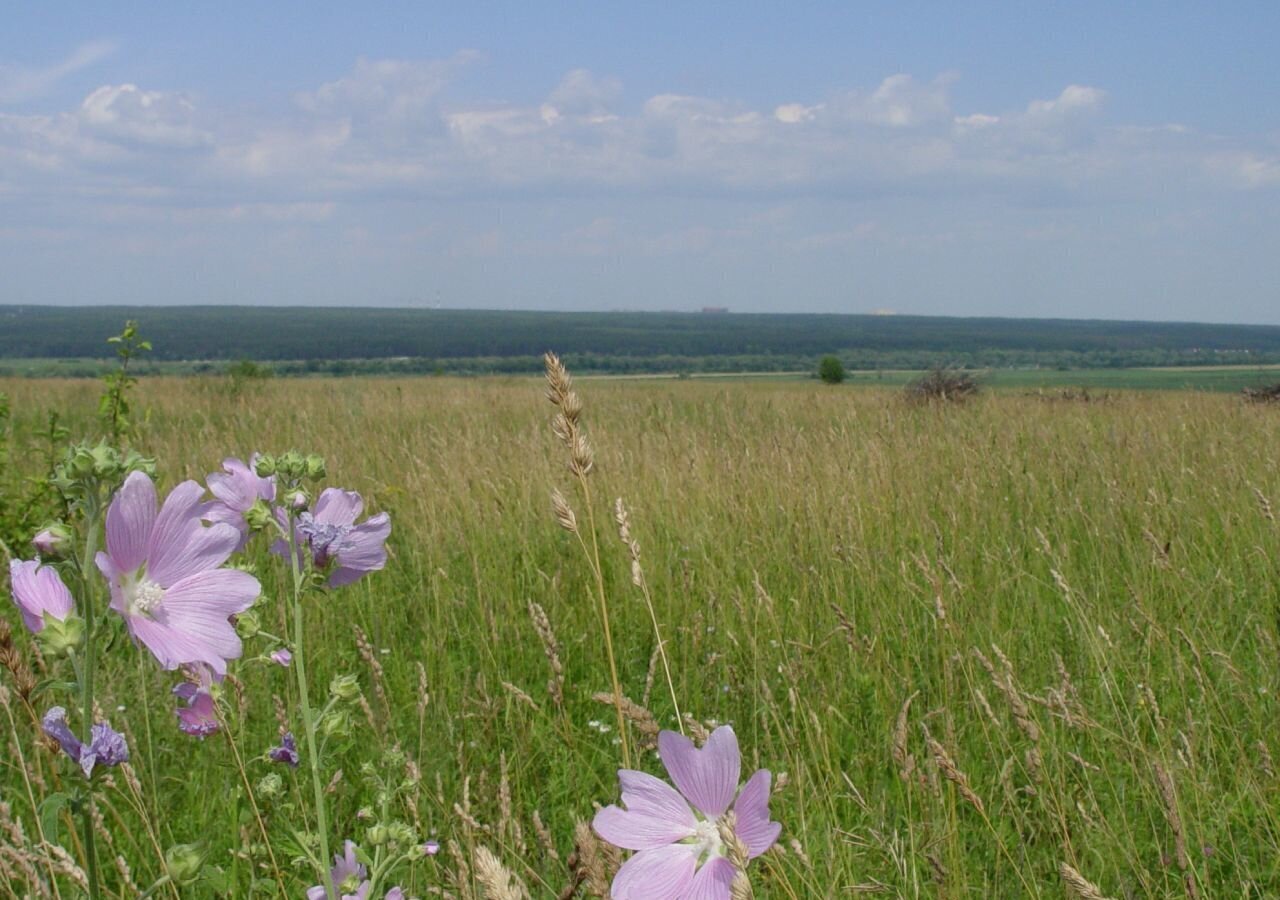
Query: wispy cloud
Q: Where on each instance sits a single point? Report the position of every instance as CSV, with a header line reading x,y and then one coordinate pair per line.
x,y
22,83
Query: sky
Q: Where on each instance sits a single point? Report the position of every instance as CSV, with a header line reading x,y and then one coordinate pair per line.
x,y
1081,160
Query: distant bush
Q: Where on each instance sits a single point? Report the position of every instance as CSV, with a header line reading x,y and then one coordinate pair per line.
x,y
943,385
831,370
1268,394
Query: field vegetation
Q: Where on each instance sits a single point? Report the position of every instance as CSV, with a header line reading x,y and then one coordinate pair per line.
x,y
1005,648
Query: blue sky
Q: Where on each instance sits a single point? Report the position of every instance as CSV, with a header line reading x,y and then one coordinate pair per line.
x,y
955,159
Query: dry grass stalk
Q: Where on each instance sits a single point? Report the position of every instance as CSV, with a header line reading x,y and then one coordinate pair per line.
x,y
905,760
697,730
461,870
520,695
952,772
1264,505
1264,759
15,661
375,668
424,693
498,881
563,512
1169,799
1078,886
544,836
551,649
643,719
589,861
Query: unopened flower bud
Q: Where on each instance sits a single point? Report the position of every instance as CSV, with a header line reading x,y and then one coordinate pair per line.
x,y
269,786
106,461
54,541
336,724
401,833
247,625
377,835
59,637
183,862
315,467
344,687
282,656
259,515
298,499
265,465
81,462
291,464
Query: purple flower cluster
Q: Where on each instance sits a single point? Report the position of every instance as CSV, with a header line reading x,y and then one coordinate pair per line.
x,y
106,746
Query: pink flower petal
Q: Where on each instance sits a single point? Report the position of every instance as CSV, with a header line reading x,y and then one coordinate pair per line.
x,y
655,814
714,881
363,551
707,777
663,873
338,507
752,809
130,519
38,590
180,543
191,624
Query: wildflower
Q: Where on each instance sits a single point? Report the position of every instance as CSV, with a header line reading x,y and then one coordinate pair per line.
x,y
332,535
430,848
106,746
396,893
39,593
282,657
676,834
198,717
348,877
164,575
236,489
287,752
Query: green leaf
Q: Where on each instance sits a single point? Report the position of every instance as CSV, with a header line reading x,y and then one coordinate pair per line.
x,y
50,809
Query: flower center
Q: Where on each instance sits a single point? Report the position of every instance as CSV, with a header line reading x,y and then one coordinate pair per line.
x,y
145,596
706,837
324,539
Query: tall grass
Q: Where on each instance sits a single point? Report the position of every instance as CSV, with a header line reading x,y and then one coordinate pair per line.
x,y
1008,649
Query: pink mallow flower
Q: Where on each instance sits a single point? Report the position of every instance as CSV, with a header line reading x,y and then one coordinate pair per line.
x,y
676,834
348,876
333,537
39,592
235,490
199,717
165,577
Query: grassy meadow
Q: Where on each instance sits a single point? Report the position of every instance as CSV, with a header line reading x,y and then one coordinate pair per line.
x,y
984,642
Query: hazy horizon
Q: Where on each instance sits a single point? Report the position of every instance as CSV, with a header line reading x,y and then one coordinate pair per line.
x,y
990,161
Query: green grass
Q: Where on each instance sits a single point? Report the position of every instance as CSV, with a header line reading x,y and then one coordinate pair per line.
x,y
817,556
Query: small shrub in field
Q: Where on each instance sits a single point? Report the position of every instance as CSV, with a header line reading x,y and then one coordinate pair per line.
x,y
831,370
1267,394
943,385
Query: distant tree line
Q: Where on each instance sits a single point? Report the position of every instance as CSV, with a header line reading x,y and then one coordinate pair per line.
x,y
296,341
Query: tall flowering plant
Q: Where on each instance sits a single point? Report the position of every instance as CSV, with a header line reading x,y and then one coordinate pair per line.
x,y
161,571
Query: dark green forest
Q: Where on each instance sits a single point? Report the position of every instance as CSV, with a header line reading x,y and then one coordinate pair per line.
x,y
296,340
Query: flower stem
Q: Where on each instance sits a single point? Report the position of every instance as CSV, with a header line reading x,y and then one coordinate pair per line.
x,y
86,694
308,720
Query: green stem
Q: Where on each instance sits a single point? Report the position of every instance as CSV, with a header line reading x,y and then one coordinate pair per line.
x,y
86,694
308,720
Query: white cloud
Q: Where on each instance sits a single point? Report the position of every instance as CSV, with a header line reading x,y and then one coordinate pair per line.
x,y
126,113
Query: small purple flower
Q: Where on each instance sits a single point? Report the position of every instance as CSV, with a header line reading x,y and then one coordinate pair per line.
x,y
431,848
236,489
165,577
396,893
106,746
39,592
348,877
676,833
199,717
287,752
332,535
282,657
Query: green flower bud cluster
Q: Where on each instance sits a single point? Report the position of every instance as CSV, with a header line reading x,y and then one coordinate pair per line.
x,y
60,637
183,862
85,467
291,466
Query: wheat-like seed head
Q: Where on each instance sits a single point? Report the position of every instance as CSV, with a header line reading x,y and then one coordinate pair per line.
x,y
1078,886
